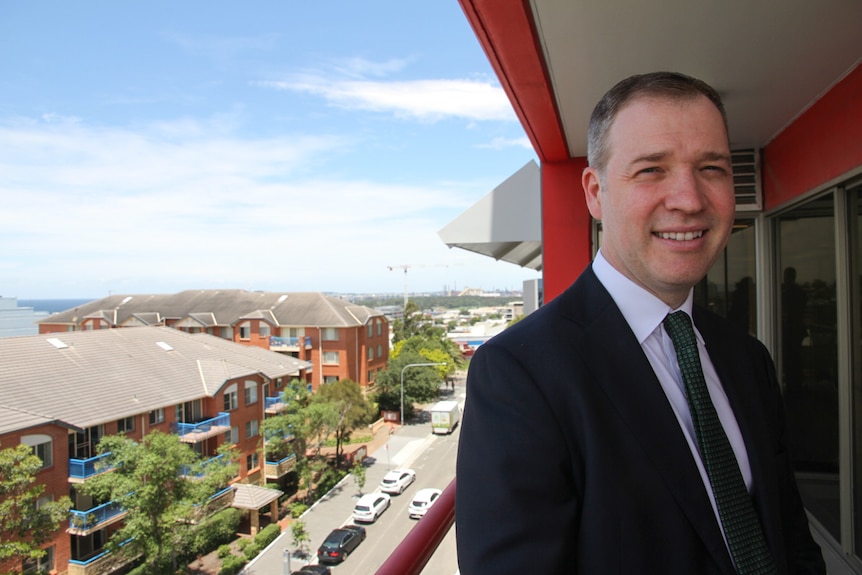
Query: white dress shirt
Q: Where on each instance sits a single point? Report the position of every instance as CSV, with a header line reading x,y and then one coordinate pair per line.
x,y
644,313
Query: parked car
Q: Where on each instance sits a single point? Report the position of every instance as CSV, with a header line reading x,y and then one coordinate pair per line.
x,y
370,506
313,570
340,543
423,499
397,480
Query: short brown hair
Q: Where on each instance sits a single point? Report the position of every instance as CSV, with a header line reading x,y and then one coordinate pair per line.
x,y
666,85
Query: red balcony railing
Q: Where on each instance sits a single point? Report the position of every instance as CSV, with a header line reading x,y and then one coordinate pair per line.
x,y
411,555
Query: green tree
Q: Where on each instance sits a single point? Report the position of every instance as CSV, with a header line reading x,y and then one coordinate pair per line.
x,y
300,537
421,384
359,472
25,522
162,484
348,407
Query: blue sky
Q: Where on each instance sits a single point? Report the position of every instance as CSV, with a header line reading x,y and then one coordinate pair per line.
x,y
279,145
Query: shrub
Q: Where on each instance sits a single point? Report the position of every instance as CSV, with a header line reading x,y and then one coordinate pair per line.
x,y
232,564
297,508
224,551
328,480
267,535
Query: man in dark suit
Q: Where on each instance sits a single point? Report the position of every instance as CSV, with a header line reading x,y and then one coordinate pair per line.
x,y
578,452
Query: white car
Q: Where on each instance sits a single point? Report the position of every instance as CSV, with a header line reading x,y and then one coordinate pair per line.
x,y
423,499
397,480
369,507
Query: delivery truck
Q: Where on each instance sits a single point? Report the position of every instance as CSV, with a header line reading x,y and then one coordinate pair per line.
x,y
445,416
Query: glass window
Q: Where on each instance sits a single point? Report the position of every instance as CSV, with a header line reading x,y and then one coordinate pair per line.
x,y
230,398
379,351
250,392
251,461
729,287
125,425
44,564
330,357
370,352
854,196
330,378
329,334
370,331
232,436
42,446
157,416
379,327
808,352
251,428
263,329
245,330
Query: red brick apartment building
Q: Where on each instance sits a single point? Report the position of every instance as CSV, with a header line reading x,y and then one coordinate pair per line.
x,y
340,339
61,393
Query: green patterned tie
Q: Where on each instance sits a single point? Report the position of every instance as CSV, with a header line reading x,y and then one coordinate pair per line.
x,y
738,517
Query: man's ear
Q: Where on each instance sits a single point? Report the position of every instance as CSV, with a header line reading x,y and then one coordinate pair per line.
x,y
592,187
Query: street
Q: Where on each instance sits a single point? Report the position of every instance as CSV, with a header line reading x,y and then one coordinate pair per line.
x,y
413,446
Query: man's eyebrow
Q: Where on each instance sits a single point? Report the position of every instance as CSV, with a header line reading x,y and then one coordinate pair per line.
x,y
658,156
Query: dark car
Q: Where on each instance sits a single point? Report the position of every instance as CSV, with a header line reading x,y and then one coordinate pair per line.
x,y
340,543
313,570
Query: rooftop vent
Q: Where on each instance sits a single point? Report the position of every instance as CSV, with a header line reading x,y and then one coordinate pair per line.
x,y
164,346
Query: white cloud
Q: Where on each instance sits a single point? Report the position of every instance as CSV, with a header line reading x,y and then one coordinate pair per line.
x,y
502,143
174,205
428,100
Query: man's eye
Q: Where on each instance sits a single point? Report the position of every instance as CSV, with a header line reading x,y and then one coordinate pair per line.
x,y
652,170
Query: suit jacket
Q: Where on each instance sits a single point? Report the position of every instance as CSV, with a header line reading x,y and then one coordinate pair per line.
x,y
571,459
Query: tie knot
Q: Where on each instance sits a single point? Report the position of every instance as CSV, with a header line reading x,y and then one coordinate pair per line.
x,y
680,330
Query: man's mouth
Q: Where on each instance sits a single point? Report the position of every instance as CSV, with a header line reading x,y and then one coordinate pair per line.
x,y
680,236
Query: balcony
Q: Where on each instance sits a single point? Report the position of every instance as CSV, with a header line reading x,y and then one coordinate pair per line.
x,y
82,469
197,432
274,405
413,553
85,522
195,472
278,469
214,504
100,562
289,343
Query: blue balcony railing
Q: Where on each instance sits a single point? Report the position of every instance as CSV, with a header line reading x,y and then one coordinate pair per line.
x,y
204,428
304,341
84,468
89,519
197,473
273,402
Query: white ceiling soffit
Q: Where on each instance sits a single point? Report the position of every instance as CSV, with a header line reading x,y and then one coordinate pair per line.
x,y
506,224
769,60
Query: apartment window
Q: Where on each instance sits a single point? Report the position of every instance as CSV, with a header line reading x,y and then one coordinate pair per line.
x,y
226,333
230,398
44,564
43,448
379,327
126,425
330,378
245,330
370,330
370,352
330,357
370,376
263,329
251,428
157,416
379,351
251,461
329,334
232,436
250,392
278,382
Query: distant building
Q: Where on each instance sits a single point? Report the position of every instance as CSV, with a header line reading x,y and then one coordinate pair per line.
x,y
342,340
533,296
16,320
62,393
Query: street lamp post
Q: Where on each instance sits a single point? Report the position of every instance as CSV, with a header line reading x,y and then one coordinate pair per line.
x,y
402,381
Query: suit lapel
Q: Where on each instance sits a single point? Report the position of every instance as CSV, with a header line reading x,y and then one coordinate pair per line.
x,y
608,345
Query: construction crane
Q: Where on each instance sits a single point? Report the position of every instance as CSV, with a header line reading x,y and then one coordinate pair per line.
x,y
405,267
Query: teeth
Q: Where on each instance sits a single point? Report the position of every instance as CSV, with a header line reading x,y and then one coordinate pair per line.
x,y
679,236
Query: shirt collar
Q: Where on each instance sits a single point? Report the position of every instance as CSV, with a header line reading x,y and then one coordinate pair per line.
x,y
643,311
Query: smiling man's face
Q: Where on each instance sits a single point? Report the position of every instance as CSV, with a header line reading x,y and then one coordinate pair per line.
x,y
666,200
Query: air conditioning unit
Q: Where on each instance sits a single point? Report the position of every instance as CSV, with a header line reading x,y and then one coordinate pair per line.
x,y
746,180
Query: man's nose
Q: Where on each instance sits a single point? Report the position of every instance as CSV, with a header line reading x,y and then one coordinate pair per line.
x,y
685,192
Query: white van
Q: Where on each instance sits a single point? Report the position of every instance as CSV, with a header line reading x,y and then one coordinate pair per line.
x,y
445,415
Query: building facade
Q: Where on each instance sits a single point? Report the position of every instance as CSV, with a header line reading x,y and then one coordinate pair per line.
x,y
63,392
340,340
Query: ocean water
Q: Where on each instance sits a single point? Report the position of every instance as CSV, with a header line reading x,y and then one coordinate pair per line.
x,y
52,305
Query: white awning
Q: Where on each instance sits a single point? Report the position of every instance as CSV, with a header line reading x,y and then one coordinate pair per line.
x,y
506,224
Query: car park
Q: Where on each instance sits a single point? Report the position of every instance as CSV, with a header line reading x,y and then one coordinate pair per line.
x,y
340,543
397,480
370,506
423,500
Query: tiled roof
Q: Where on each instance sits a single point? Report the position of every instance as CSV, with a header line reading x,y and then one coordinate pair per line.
x,y
248,496
85,378
225,308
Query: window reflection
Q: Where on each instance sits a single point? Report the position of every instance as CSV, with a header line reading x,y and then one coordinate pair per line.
x,y
808,361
